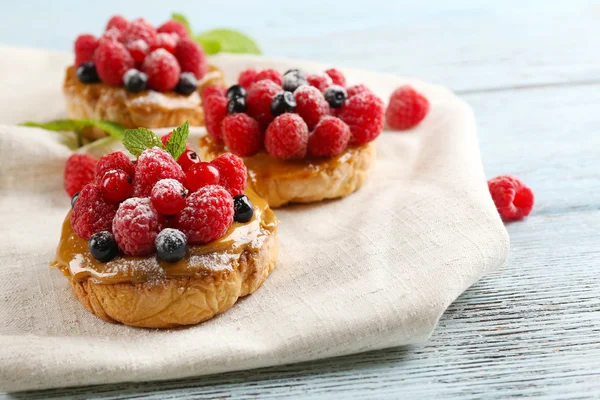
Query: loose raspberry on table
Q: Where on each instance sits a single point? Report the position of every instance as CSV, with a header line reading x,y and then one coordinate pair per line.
x,y
330,138
406,108
168,196
153,165
513,199
247,78
232,173
117,160
191,57
116,185
200,175
270,74
364,114
136,225
319,80
139,28
138,49
162,70
336,76
174,27
242,134
287,137
165,41
215,110
207,215
112,61
357,89
79,171
311,105
259,99
92,212
213,90
85,46
117,21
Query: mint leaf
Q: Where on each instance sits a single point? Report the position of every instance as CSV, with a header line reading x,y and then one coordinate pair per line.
x,y
177,142
140,139
226,40
210,46
181,18
77,125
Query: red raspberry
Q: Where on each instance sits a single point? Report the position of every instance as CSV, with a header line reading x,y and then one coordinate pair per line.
x,y
138,50
135,226
117,160
79,171
320,80
92,213
330,138
200,175
153,165
242,134
116,185
513,199
168,196
139,29
117,21
270,74
357,89
259,99
85,46
232,173
164,41
174,27
191,57
112,61
247,78
187,159
213,90
311,105
207,215
287,137
215,110
162,70
364,114
112,34
406,109
336,76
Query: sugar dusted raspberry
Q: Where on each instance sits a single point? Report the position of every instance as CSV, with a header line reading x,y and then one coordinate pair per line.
x,y
138,50
357,89
92,212
116,185
168,196
311,105
200,175
165,41
79,171
136,225
247,78
287,137
336,76
153,165
319,80
213,90
191,57
259,99
117,21
85,46
406,109
330,138
162,70
139,29
270,74
174,27
117,160
215,110
513,199
364,114
207,215
232,173
113,34
242,134
112,61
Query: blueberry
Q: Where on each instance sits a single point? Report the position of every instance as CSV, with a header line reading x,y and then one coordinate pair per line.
x,y
293,79
171,245
236,105
244,210
283,102
295,71
236,91
87,73
74,199
135,81
187,83
103,246
335,96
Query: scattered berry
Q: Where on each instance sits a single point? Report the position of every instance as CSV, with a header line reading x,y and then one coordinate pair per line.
x,y
259,99
513,199
320,80
283,102
164,41
87,73
232,173
364,114
243,208
116,185
270,74
242,135
85,46
79,171
187,83
117,21
406,109
293,79
139,29
174,27
92,213
138,49
171,245
187,159
287,137
311,105
201,174
117,160
191,57
247,78
103,246
168,196
153,165
236,91
215,110
330,138
357,89
214,90
135,226
335,96
112,61
336,76
162,70
74,199
236,105
135,81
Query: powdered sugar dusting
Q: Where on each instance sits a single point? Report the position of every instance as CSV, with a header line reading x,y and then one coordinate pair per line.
x,y
165,101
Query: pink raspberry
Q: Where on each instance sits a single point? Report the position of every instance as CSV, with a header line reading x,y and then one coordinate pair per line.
x,y
215,110
311,105
112,61
165,41
153,165
117,21
364,114
92,213
269,74
213,90
191,57
287,137
336,76
168,196
242,134
406,109
259,99
135,226
139,29
117,160
513,199
79,171
174,27
357,89
85,46
138,50
320,80
247,78
330,138
162,70
232,173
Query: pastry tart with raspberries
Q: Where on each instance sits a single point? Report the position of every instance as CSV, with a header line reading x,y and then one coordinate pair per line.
x,y
161,243
138,75
304,138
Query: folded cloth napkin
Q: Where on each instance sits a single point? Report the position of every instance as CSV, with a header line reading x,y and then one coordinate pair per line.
x,y
373,270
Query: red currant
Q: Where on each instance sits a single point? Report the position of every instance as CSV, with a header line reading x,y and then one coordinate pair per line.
x,y
116,185
187,159
200,175
168,196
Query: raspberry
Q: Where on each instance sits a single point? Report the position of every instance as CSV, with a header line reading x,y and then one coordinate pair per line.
x,y
259,99
187,159
92,213
232,173
168,196
247,78
207,215
135,226
116,185
162,70
357,89
287,137
330,137
164,41
364,114
513,199
213,90
215,110
85,46
406,109
79,171
191,57
139,29
336,76
174,27
117,21
269,74
311,105
138,49
200,175
112,61
320,80
242,134
113,34
153,165
117,160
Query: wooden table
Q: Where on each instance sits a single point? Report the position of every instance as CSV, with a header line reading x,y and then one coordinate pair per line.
x,y
532,75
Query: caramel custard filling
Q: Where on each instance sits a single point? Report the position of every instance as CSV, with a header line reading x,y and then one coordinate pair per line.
x,y
74,259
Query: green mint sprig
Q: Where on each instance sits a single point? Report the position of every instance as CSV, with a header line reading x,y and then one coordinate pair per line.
x,y
140,139
177,142
114,129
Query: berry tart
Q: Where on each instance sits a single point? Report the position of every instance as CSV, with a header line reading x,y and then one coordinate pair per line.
x,y
138,75
165,240
304,137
